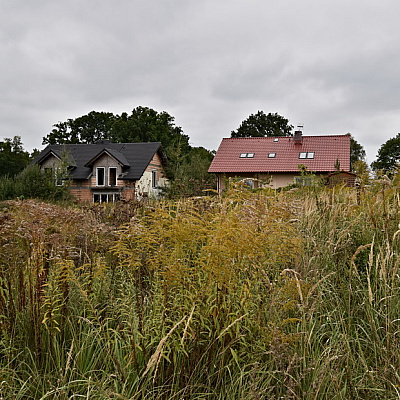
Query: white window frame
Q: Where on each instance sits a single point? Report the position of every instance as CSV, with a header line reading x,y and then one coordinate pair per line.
x,y
57,176
97,176
154,178
246,155
110,197
109,176
249,183
306,155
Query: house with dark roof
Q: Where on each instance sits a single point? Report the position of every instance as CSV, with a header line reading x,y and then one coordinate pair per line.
x,y
277,161
105,171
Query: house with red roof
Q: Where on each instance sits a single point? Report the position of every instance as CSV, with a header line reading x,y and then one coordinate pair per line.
x,y
277,161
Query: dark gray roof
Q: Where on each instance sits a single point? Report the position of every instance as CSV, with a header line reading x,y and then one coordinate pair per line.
x,y
113,153
134,157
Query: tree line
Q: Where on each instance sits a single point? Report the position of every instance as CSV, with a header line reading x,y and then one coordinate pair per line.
x,y
187,167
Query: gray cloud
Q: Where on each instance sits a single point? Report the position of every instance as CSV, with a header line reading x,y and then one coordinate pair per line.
x,y
332,66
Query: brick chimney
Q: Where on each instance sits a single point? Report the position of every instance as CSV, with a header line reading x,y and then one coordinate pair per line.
x,y
298,137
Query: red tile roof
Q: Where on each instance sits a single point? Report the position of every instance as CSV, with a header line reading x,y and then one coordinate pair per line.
x,y
326,149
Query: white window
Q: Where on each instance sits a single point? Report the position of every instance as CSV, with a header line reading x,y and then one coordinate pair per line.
x,y
249,183
309,154
106,197
271,155
112,176
100,175
58,176
276,139
246,155
304,180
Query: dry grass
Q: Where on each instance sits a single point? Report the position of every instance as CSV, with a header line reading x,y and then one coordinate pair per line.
x,y
254,295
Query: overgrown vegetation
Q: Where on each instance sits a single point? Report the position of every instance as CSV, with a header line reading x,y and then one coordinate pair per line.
x,y
290,295
33,182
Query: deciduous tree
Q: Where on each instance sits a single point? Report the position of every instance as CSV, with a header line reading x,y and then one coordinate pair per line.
x,y
388,156
85,129
260,124
188,164
13,157
357,152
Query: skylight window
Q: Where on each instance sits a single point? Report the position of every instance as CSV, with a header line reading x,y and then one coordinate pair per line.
x,y
271,155
246,155
276,139
309,155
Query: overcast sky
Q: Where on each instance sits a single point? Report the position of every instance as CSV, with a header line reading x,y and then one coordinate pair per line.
x,y
332,66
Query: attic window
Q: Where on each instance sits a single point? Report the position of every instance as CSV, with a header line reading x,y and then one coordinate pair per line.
x,y
271,155
100,175
306,155
276,139
112,176
246,155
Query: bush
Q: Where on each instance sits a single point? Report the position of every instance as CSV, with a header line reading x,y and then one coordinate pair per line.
x,y
32,183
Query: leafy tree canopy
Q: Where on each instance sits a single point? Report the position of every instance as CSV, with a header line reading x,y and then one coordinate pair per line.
x,y
388,156
260,124
142,125
86,129
357,152
13,157
191,176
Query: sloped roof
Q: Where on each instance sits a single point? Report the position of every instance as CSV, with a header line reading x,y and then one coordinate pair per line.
x,y
135,157
117,155
327,150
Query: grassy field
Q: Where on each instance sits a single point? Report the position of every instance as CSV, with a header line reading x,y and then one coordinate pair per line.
x,y
256,295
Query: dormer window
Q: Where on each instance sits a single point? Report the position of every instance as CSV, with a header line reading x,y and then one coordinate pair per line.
x,y
276,139
112,176
100,176
308,155
271,155
246,155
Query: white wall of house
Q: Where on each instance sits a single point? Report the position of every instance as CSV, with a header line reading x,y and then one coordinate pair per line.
x,y
144,187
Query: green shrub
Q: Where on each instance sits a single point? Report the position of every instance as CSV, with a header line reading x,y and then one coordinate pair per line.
x,y
32,183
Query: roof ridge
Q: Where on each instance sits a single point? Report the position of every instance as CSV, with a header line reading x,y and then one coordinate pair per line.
x,y
284,137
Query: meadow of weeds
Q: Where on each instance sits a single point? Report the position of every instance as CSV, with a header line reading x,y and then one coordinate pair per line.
x,y
290,295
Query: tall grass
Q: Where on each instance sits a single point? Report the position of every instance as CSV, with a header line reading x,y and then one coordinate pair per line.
x,y
290,295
